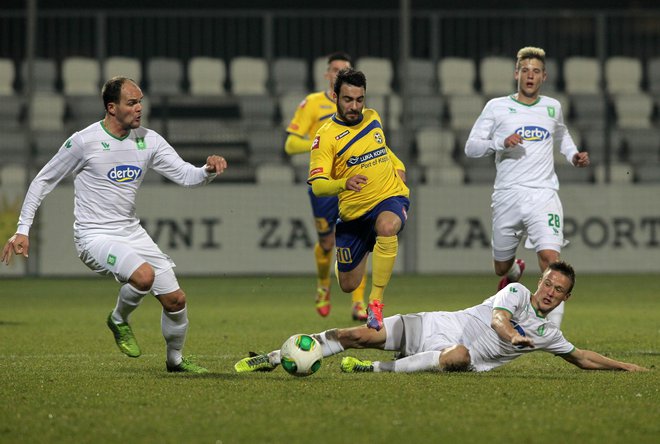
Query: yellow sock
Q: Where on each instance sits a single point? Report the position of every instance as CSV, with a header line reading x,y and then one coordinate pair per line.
x,y
358,293
322,266
382,264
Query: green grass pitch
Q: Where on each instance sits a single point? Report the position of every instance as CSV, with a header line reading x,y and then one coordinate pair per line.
x,y
64,380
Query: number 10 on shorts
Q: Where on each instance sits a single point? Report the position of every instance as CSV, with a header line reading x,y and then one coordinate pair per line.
x,y
344,255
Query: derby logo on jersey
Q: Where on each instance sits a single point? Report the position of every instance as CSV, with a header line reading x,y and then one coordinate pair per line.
x,y
533,133
124,173
356,160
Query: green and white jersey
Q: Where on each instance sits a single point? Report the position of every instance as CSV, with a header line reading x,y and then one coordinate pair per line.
x,y
541,126
471,328
107,173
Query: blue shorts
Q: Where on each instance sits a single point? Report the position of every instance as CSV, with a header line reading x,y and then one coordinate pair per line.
x,y
326,212
357,237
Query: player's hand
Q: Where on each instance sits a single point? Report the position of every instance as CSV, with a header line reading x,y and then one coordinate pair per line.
x,y
581,160
523,341
17,244
513,140
355,183
635,368
215,164
402,175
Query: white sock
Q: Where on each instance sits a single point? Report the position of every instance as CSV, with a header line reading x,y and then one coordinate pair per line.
x,y
556,315
420,362
174,326
329,343
128,300
514,272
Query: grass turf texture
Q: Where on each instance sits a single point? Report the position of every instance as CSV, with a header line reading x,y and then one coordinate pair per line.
x,y
63,379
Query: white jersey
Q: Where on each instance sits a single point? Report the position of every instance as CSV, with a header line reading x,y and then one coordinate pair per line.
x,y
541,125
107,174
471,328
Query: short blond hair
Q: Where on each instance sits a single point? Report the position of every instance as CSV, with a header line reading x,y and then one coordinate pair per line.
x,y
530,52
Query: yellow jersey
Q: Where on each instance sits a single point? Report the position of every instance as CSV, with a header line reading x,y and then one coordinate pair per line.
x,y
341,150
311,114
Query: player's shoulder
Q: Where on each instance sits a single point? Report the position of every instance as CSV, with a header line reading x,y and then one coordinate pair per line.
x,y
549,101
370,114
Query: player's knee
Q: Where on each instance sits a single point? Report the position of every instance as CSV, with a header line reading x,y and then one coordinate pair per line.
x,y
173,302
502,268
455,359
143,277
352,337
388,227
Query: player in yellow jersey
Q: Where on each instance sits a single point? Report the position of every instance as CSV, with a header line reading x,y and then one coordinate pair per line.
x,y
311,114
351,160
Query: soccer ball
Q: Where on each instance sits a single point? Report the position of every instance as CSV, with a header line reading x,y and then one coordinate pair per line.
x,y
301,355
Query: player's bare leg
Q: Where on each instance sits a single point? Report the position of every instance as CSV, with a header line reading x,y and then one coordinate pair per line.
x,y
511,271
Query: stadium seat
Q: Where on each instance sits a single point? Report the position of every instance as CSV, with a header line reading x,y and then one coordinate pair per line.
x,y
288,104
45,75
290,76
84,110
11,111
582,75
653,72
633,110
249,76
464,110
570,174
388,107
496,75
619,173
426,110
274,173
641,146
623,75
588,111
12,174
444,175
456,76
7,77
206,76
266,145
47,112
257,110
13,146
319,68
480,170
379,73
551,85
81,76
164,76
435,147
421,78
122,66
647,173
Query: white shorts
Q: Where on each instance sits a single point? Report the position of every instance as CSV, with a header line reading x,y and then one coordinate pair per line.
x,y
415,333
120,254
536,212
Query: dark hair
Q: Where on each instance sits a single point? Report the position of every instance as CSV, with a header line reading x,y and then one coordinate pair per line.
x,y
350,77
566,269
111,91
339,55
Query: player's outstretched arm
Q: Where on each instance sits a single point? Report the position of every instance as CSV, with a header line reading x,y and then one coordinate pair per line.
x,y
501,323
17,244
589,360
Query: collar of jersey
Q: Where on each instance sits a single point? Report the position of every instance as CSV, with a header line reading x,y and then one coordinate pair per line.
x,y
538,99
112,135
341,122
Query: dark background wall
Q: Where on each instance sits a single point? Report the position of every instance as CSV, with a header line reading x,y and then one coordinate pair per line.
x,y
362,4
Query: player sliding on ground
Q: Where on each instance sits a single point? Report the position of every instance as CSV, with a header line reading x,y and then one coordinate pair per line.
x,y
500,329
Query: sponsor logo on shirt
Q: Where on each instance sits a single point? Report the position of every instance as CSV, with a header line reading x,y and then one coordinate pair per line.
x,y
533,133
357,160
316,142
344,134
551,111
316,171
67,145
294,127
124,173
302,104
106,146
141,145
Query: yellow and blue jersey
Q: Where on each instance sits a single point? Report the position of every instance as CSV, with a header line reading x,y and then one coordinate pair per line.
x,y
341,150
311,114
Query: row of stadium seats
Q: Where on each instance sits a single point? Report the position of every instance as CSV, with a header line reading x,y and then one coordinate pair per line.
x,y
491,76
